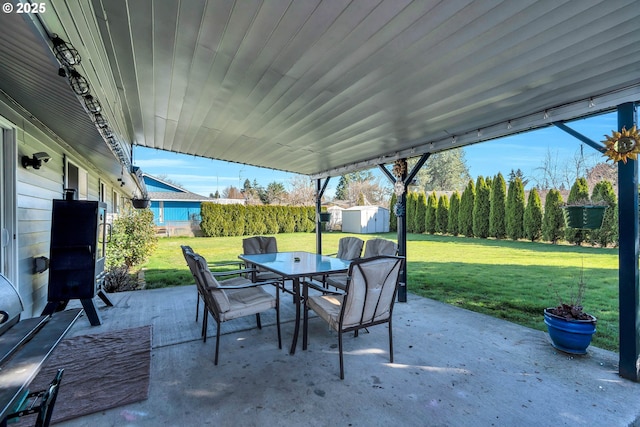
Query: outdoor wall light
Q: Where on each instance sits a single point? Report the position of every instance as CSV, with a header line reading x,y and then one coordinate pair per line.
x,y
79,84
100,120
106,132
92,104
36,160
65,52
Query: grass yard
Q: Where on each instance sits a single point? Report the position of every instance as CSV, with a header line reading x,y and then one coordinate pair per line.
x,y
502,278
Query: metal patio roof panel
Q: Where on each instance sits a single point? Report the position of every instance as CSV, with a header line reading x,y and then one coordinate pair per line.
x,y
315,86
29,76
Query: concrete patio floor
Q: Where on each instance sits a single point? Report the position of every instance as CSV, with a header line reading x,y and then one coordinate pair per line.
x,y
452,367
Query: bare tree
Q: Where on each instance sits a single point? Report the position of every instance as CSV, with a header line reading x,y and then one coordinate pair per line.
x,y
370,190
232,192
603,172
302,191
164,177
549,174
562,173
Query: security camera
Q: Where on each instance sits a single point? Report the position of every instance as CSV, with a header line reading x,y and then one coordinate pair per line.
x,y
42,156
36,160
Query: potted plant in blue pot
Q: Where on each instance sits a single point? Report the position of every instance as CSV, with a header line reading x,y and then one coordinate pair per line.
x,y
569,327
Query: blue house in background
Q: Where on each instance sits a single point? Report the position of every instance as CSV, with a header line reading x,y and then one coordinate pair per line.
x,y
176,211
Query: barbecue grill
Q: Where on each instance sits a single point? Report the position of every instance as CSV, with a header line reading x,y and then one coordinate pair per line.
x,y
24,347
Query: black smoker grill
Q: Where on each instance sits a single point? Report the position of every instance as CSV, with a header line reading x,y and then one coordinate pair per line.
x,y
77,255
24,347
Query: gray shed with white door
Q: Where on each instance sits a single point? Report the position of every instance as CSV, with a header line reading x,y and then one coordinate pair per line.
x,y
365,219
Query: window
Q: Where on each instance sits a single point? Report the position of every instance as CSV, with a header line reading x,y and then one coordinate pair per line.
x,y
103,192
115,206
77,179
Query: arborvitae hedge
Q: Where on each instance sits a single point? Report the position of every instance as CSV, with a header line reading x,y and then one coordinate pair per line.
x,y
421,212
240,220
515,209
430,217
454,209
481,209
465,214
579,193
412,204
442,214
533,217
393,219
497,227
553,221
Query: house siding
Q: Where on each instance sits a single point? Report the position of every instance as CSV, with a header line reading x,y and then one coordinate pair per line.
x,y
175,211
35,191
153,185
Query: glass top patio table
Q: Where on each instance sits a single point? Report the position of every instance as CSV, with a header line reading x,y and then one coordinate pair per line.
x,y
293,266
297,264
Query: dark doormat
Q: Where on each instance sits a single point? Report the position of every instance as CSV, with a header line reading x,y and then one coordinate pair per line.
x,y
101,371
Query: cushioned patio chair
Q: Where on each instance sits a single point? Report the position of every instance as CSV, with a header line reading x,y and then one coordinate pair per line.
x,y
367,301
239,270
232,299
377,247
261,245
349,248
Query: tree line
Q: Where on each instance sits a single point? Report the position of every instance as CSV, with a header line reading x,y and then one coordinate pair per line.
x,y
488,208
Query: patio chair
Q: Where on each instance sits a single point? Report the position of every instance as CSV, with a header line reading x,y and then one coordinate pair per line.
x,y
367,301
377,247
186,249
349,248
232,299
261,245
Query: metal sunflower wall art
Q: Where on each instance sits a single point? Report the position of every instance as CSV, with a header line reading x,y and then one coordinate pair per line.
x,y
622,145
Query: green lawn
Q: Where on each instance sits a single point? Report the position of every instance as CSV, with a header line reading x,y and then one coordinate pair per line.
x,y
510,280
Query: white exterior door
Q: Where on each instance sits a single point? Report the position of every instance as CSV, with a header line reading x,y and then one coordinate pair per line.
x,y
8,221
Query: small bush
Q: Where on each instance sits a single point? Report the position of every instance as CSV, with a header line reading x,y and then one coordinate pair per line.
x,y
133,239
118,279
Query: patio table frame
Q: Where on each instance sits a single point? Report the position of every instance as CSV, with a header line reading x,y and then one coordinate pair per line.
x,y
294,266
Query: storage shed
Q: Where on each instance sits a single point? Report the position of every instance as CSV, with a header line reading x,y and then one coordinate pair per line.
x,y
365,219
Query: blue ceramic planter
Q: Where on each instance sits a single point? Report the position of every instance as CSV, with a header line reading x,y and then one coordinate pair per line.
x,y
570,336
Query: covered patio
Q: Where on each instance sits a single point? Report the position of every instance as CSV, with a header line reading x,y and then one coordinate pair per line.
x,y
452,367
320,88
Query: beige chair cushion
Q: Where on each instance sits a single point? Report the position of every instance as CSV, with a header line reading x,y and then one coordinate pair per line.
x,y
246,301
376,247
327,307
356,308
259,245
208,281
350,248
372,302
338,280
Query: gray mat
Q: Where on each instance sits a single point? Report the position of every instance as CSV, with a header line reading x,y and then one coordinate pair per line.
x,y
101,371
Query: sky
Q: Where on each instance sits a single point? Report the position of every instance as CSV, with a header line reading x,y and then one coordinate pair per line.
x,y
525,151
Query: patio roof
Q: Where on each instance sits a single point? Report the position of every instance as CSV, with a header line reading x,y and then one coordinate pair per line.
x,y
324,87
